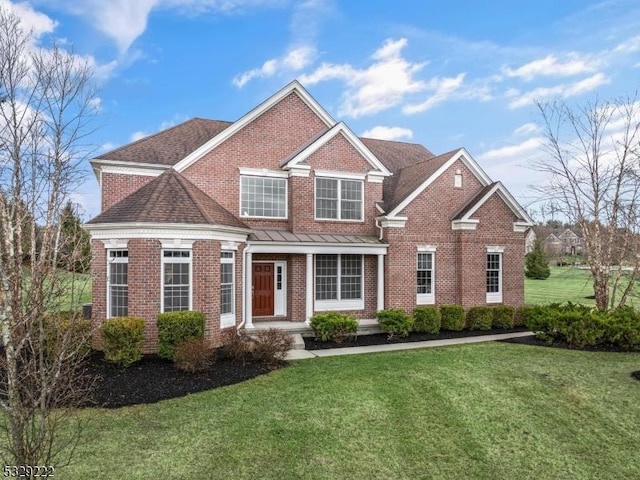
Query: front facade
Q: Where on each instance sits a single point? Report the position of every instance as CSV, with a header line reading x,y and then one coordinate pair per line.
x,y
285,213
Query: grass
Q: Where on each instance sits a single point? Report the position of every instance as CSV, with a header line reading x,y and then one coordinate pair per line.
x,y
489,411
564,284
77,290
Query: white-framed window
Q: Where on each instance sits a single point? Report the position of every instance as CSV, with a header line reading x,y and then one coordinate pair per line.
x,y
176,280
264,197
339,282
339,199
118,283
227,288
494,276
425,271
457,179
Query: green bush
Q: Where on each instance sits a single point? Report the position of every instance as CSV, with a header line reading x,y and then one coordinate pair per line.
x,y
427,319
503,316
452,317
123,339
67,331
333,326
624,328
521,314
174,327
395,321
480,318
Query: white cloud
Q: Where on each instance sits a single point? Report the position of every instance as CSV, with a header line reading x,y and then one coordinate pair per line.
x,y
518,152
550,66
628,46
443,88
382,85
135,136
31,20
559,91
388,133
295,60
526,130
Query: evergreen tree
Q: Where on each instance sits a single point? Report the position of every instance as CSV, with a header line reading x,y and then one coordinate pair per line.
x,y
75,245
537,265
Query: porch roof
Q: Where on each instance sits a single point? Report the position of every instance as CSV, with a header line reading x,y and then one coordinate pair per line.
x,y
285,236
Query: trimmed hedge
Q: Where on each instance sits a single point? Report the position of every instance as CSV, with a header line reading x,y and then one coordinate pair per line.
x,y
503,316
452,317
427,319
175,327
480,318
69,331
521,315
333,326
123,339
395,321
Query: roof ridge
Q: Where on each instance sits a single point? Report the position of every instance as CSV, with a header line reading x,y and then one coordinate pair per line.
x,y
182,180
420,162
392,141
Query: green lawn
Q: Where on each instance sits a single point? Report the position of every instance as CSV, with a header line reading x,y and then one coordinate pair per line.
x,y
564,284
494,411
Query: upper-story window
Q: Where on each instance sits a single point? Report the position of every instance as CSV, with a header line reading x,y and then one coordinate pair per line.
x,y
263,197
338,199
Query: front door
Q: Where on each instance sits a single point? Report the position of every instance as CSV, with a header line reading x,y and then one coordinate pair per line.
x,y
263,293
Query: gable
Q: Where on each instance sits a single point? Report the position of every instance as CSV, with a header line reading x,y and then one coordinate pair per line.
x,y
338,154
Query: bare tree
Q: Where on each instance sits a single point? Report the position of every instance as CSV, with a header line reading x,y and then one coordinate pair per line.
x,y
592,158
46,107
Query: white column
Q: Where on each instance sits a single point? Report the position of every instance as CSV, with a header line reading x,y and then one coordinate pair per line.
x,y
380,282
309,287
248,301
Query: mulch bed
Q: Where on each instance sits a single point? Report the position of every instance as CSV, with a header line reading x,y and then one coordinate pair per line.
x,y
636,375
154,379
532,340
382,338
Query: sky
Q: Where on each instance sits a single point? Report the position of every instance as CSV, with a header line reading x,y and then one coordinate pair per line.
x,y
442,73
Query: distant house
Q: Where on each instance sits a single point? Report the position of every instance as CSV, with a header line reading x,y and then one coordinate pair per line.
x,y
560,241
529,239
285,213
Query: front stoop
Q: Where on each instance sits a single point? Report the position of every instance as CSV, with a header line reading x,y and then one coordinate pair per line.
x,y
298,341
365,327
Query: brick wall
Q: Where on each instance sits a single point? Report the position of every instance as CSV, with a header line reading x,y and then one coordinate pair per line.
x,y
116,187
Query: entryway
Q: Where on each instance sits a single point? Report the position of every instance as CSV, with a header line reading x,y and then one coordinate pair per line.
x,y
269,286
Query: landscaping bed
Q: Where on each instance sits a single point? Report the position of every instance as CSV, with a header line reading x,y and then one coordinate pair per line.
x,y
153,379
601,347
382,338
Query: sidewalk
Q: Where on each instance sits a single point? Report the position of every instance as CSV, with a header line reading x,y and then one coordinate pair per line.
x,y
333,352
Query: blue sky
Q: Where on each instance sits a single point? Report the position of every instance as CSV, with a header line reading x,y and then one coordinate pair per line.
x,y
442,73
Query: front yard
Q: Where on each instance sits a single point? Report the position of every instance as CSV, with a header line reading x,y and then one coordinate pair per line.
x,y
490,411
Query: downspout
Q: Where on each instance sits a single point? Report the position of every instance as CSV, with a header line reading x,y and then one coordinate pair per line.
x,y
381,229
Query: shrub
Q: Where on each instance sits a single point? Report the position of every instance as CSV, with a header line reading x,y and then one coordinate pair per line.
x,y
68,331
334,326
395,321
193,355
123,339
427,319
521,314
235,345
624,328
480,318
503,316
537,263
270,347
452,317
174,327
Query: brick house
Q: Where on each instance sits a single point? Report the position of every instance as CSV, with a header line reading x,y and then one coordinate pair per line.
x,y
286,212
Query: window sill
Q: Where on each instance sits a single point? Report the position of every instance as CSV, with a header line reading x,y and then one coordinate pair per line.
x,y
326,305
338,220
494,297
426,299
227,320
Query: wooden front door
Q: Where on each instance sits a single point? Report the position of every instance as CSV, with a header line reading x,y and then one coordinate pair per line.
x,y
263,293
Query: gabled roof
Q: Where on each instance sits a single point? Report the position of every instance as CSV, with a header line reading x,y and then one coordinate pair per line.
x,y
485,193
169,198
168,146
339,128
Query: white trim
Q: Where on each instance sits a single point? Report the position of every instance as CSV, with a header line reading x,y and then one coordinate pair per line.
x,y
143,172
108,283
299,171
495,249
462,155
427,298
294,87
262,172
286,198
116,244
395,222
125,231
188,260
508,199
309,288
176,244
279,299
248,289
495,297
339,175
375,177
229,319
470,224
229,246
379,208
520,227
315,248
339,199
380,279
426,248
350,137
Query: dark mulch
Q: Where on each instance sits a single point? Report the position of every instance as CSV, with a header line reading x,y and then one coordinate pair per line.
x,y
532,340
382,338
154,379
636,375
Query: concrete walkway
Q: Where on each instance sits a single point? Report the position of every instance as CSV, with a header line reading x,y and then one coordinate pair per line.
x,y
333,352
